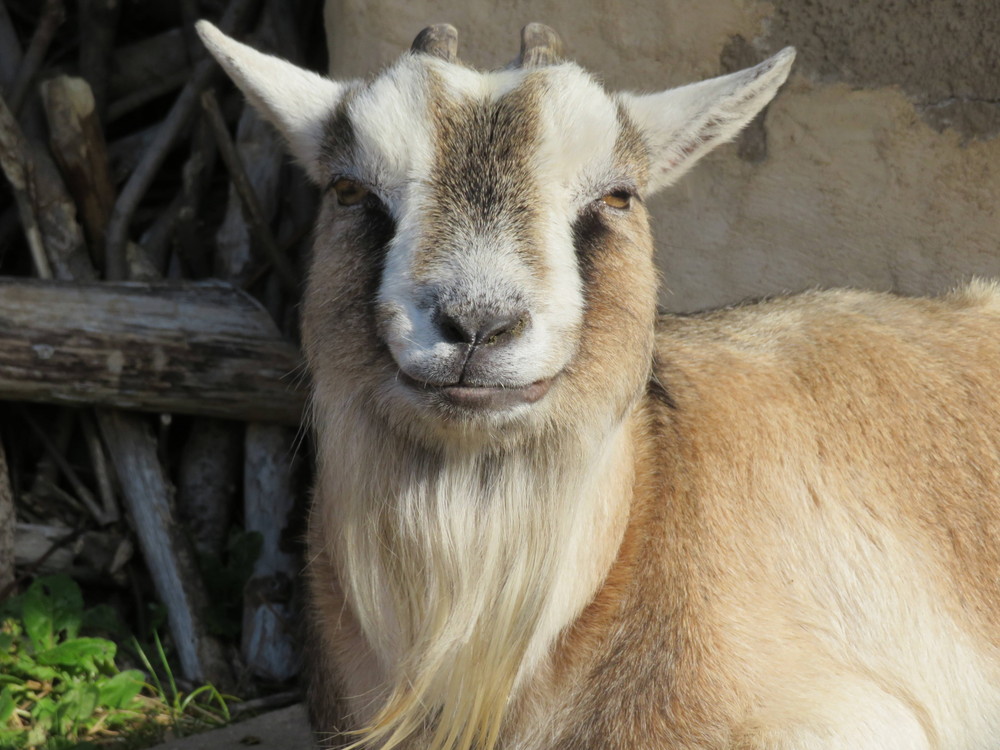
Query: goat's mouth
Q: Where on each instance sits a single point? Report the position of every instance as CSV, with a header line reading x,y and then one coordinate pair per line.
x,y
482,397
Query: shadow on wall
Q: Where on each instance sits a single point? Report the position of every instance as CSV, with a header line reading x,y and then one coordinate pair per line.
x,y
877,166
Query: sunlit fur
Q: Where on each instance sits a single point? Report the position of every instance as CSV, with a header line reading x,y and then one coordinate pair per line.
x,y
773,527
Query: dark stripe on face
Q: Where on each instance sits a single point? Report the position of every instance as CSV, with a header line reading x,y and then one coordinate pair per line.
x,y
482,180
339,140
376,228
590,236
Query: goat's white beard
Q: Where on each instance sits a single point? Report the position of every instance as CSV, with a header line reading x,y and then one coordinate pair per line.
x,y
463,566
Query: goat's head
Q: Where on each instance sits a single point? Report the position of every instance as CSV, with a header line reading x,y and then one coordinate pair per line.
x,y
483,256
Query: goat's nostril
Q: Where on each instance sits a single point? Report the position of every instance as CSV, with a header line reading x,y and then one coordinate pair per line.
x,y
453,332
486,331
499,330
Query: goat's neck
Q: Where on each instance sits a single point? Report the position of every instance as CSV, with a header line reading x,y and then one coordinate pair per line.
x,y
462,561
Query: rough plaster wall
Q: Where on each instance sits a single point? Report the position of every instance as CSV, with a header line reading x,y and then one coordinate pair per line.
x,y
877,166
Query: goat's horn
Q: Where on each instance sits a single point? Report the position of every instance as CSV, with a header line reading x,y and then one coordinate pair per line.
x,y
440,40
540,45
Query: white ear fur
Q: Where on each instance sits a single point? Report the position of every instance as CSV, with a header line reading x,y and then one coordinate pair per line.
x,y
296,101
681,125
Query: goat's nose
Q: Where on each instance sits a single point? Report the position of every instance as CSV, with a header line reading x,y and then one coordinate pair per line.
x,y
487,329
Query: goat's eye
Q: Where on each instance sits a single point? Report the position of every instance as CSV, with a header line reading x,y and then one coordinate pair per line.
x,y
349,192
619,199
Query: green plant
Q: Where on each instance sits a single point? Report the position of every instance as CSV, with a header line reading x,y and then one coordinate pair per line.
x,y
204,707
59,689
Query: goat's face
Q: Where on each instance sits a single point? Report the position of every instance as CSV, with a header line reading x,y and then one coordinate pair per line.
x,y
483,257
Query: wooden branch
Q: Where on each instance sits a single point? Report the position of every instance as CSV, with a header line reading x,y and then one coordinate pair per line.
x,y
7,520
253,197
78,146
44,204
169,558
17,168
52,17
99,463
82,492
195,348
46,470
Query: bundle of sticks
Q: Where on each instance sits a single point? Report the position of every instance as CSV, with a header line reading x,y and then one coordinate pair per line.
x,y
151,243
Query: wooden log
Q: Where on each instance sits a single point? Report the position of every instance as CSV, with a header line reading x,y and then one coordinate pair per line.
x,y
7,519
192,348
168,554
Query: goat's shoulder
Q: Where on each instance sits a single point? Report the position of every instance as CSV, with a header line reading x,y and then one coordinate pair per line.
x,y
823,381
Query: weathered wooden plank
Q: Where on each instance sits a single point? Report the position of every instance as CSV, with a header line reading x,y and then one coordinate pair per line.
x,y
269,496
193,348
168,554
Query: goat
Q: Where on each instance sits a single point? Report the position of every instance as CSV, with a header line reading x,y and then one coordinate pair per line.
x,y
547,516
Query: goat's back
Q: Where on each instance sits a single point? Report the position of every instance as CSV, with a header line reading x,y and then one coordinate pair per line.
x,y
821,509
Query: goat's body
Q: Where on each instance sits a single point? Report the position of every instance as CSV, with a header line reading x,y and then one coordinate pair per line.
x,y
811,558
546,521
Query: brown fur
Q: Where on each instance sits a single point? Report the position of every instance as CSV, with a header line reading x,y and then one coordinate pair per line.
x,y
779,406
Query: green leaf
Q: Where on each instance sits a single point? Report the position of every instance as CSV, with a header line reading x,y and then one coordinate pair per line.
x,y
120,690
52,605
13,739
7,705
77,705
86,654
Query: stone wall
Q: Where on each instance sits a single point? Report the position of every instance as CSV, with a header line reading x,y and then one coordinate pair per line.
x,y
878,165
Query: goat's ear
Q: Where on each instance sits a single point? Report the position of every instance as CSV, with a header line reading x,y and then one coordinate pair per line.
x,y
681,125
296,101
